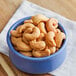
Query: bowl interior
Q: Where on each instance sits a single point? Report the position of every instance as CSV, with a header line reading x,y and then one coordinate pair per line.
x,y
20,22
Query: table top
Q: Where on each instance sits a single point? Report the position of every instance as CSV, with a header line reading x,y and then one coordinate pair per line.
x,y
66,8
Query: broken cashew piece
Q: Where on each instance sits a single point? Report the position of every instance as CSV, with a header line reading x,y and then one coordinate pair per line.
x,y
50,39
38,18
37,45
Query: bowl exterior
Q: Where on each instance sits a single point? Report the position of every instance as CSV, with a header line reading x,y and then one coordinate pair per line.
x,y
37,67
34,66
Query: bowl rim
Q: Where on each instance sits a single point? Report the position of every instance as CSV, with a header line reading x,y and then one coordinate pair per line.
x,y
11,48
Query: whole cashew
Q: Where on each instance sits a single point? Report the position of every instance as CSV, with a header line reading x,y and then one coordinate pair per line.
x,y
38,18
28,21
51,25
41,26
52,50
24,40
28,30
21,46
50,39
59,38
26,53
23,27
43,53
31,36
20,29
15,33
37,45
41,37
14,40
15,47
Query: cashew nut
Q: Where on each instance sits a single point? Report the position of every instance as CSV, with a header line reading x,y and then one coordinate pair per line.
x,y
59,38
38,18
26,53
57,31
28,30
41,26
24,40
28,21
31,36
50,38
41,37
37,45
14,40
21,46
15,33
52,50
51,25
23,27
43,53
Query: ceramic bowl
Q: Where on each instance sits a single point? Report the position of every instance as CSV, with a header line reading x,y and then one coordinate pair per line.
x,y
36,65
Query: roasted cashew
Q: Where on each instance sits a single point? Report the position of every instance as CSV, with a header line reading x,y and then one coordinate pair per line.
x,y
52,50
59,38
15,47
42,28
50,39
26,53
43,53
38,18
37,45
14,40
51,25
21,46
41,37
23,27
28,30
15,33
28,21
31,36
24,40
57,49
57,31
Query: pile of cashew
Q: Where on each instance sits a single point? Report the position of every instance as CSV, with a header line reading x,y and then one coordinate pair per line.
x,y
37,37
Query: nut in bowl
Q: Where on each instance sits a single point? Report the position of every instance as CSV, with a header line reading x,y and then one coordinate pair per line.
x,y
37,44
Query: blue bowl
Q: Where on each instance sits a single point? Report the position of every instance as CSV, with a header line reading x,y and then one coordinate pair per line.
x,y
36,65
